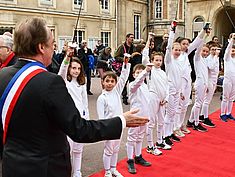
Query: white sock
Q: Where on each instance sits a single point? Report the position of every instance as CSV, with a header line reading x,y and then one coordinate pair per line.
x,y
150,136
114,159
159,134
106,161
130,150
230,107
138,148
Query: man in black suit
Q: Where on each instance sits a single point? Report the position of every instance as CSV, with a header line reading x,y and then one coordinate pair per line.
x,y
36,143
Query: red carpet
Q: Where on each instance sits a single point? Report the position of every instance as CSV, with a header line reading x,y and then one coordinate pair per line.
x,y
210,154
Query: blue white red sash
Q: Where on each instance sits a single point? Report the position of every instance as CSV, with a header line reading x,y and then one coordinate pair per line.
x,y
13,90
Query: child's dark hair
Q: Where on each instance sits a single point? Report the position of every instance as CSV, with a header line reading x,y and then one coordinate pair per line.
x,y
109,74
212,44
180,39
81,78
155,54
137,67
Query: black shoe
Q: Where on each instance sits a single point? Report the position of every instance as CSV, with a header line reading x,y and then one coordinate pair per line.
x,y
201,118
125,101
168,141
207,122
131,166
163,146
224,118
89,93
199,128
229,116
174,138
140,160
190,124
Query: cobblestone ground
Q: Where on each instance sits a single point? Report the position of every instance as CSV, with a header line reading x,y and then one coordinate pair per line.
x,y
92,155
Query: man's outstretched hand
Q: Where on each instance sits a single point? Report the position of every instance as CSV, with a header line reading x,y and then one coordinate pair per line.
x,y
132,120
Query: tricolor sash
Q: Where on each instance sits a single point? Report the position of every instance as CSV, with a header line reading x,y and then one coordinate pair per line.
x,y
13,90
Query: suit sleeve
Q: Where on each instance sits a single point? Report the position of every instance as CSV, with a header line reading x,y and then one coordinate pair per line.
x,y
62,111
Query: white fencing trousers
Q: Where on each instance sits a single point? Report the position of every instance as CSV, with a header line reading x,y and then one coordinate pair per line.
x,y
200,92
207,99
228,95
135,139
183,106
110,156
76,150
157,114
171,108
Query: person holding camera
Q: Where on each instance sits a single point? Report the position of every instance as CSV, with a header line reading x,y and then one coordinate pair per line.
x,y
126,47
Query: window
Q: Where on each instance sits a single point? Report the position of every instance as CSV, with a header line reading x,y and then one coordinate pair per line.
x,y
198,23
105,38
46,2
79,36
6,29
137,26
78,2
105,4
158,9
8,1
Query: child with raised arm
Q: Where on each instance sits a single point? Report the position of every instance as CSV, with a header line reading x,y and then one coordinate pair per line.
x,y
158,88
229,81
174,71
139,98
71,70
213,72
201,84
109,105
187,47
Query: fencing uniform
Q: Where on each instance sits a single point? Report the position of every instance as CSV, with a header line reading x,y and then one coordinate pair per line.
x,y
139,99
174,71
229,81
79,95
201,84
108,105
213,72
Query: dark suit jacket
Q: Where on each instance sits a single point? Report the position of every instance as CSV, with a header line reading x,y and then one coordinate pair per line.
x,y
36,143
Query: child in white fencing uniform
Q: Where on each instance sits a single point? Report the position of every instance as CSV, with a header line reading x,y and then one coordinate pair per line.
x,y
213,72
109,105
186,88
139,98
201,84
158,88
174,71
229,81
71,70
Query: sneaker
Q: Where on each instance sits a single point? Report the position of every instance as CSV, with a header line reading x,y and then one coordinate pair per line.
x,y
199,128
185,130
77,174
131,166
153,150
229,116
207,122
116,173
190,124
224,118
168,141
108,174
201,118
179,133
141,161
174,138
163,146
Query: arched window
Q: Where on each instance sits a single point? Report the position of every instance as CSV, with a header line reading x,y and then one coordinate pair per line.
x,y
198,23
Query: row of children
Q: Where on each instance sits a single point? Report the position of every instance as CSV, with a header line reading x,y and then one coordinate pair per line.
x,y
164,98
